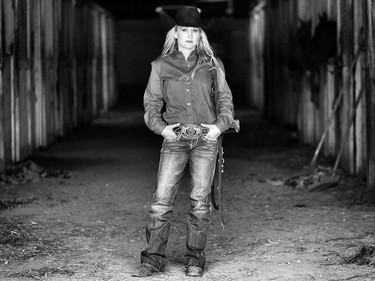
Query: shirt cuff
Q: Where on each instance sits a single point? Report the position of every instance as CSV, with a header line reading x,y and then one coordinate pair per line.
x,y
220,124
159,129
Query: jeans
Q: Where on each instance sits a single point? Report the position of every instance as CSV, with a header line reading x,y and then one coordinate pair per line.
x,y
175,154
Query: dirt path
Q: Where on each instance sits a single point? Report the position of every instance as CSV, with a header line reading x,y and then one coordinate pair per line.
x,y
88,223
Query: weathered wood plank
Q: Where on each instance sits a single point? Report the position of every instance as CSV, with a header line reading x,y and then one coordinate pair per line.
x,y
370,88
2,129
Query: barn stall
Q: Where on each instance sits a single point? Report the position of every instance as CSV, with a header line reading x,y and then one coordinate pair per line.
x,y
312,68
57,71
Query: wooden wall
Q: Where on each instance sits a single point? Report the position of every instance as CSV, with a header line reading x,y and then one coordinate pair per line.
x,y
56,71
286,95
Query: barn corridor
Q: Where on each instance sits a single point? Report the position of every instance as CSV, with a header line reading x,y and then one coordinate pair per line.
x,y
78,165
84,220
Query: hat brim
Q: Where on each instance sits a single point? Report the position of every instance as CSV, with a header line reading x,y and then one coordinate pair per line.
x,y
168,22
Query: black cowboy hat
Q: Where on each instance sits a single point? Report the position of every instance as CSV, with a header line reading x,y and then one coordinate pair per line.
x,y
185,16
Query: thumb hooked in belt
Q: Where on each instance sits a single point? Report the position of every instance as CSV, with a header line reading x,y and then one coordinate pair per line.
x,y
168,132
213,131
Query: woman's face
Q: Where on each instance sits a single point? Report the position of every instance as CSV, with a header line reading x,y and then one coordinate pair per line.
x,y
187,37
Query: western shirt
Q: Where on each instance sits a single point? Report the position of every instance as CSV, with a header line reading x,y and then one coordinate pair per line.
x,y
168,99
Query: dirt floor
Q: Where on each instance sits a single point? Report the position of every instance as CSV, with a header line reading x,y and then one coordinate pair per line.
x,y
77,210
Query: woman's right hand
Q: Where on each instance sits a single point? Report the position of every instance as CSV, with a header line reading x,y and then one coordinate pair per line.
x,y
168,132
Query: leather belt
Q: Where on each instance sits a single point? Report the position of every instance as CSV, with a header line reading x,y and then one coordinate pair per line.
x,y
190,131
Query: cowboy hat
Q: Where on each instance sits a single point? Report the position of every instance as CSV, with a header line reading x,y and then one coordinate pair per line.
x,y
185,16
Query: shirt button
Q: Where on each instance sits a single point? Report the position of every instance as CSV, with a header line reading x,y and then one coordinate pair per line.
x,y
187,90
188,65
188,103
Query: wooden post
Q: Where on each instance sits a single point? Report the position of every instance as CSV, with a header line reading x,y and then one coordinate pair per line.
x,y
2,139
370,98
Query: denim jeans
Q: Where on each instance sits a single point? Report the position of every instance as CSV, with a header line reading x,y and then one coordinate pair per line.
x,y
175,154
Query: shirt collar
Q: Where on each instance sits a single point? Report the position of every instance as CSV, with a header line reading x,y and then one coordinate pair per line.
x,y
192,57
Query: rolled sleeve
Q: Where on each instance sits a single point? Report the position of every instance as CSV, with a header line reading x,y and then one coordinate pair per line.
x,y
225,101
153,101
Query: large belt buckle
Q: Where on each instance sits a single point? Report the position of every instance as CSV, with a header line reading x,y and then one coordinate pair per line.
x,y
191,131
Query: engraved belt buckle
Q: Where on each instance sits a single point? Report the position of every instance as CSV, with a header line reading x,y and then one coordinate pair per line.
x,y
191,131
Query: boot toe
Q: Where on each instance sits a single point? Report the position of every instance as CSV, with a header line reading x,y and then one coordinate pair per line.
x,y
145,271
194,271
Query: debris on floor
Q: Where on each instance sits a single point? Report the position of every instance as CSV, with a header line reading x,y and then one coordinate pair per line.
x,y
25,240
28,171
43,272
364,256
315,179
7,204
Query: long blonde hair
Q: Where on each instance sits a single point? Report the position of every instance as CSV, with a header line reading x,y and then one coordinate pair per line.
x,y
204,51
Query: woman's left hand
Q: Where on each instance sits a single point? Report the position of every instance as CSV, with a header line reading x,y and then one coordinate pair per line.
x,y
213,132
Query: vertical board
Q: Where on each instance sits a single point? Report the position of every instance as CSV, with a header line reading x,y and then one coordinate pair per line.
x,y
66,87
370,87
11,88
7,43
40,138
256,49
347,159
330,146
307,115
2,129
24,81
104,35
48,69
95,63
359,133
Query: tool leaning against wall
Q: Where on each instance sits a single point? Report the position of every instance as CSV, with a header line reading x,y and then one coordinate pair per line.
x,y
314,178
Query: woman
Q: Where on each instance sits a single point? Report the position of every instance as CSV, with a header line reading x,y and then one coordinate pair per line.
x,y
179,105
